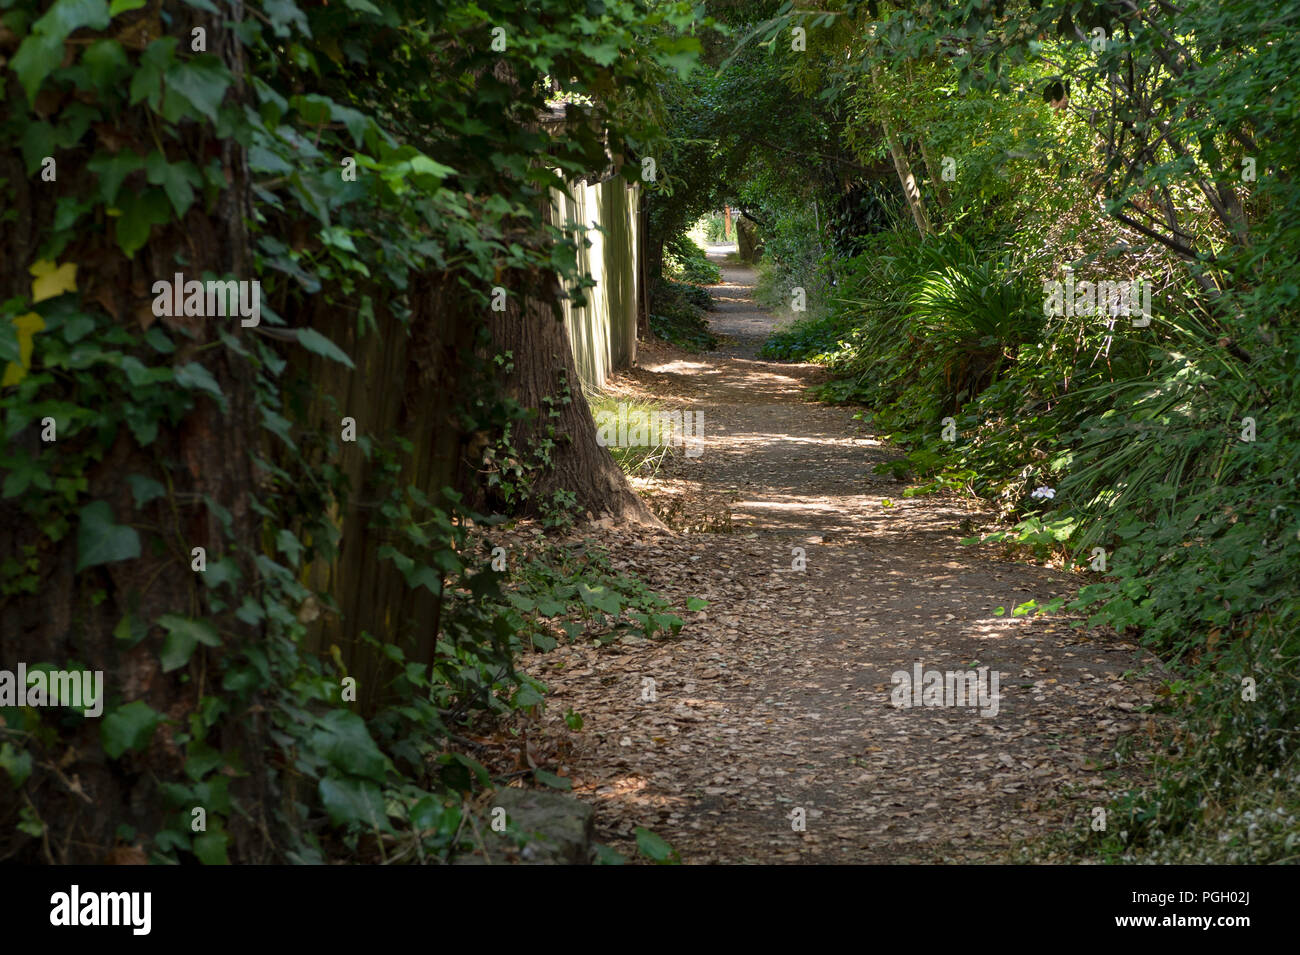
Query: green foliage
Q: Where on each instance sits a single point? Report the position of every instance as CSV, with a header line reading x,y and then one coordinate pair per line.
x,y
809,339
150,136
654,848
685,261
634,460
563,595
1139,430
677,315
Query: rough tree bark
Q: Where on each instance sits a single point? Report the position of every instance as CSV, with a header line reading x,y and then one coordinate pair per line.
x,y
543,369
83,797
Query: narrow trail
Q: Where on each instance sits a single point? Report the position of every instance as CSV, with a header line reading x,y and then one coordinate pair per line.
x,y
776,698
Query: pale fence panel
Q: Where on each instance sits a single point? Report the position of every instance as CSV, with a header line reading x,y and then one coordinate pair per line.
x,y
603,334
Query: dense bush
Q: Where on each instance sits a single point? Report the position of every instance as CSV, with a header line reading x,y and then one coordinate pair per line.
x,y
1170,448
687,262
677,315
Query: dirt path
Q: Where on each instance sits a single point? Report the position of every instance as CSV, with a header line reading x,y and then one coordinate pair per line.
x,y
777,698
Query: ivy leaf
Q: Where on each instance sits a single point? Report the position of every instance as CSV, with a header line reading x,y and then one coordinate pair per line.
x,y
601,598
195,376
287,543
105,62
552,780
16,762
100,541
202,81
130,630
111,170
140,213
42,51
178,180
210,847
148,78
353,802
68,15
35,60
37,142
344,742
317,343
654,847
282,13
10,349
50,280
128,727
144,489
183,635
425,576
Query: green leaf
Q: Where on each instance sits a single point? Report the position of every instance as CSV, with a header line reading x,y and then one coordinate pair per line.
x,y
210,847
195,376
77,327
100,541
600,597
202,81
607,856
224,571
124,6
158,341
201,760
653,847
353,802
287,543
16,762
68,15
36,59
42,51
552,780
282,13
526,696
317,343
344,741
425,813
144,489
105,62
128,727
696,603
130,630
178,180
183,635
148,78
140,213
37,142
9,347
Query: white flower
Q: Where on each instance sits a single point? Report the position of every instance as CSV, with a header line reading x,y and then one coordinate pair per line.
x,y
1044,492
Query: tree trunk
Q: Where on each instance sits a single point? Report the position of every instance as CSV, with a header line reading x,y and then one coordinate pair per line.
x,y
82,797
906,178
746,241
544,379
